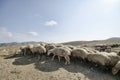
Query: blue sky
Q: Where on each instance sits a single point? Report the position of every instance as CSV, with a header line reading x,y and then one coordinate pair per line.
x,y
58,20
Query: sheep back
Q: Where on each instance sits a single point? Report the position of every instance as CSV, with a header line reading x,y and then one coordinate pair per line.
x,y
80,53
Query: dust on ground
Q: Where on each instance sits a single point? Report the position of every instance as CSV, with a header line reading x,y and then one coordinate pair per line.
x,y
30,68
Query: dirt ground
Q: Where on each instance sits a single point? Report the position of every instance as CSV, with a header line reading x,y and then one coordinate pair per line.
x,y
30,68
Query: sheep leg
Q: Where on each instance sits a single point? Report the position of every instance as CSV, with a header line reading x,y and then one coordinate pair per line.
x,y
67,60
39,57
23,52
53,57
59,58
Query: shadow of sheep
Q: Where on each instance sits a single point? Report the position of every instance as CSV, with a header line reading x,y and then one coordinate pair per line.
x,y
25,60
76,66
48,65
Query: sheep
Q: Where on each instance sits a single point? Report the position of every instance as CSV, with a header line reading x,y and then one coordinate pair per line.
x,y
99,58
104,58
18,52
37,49
116,68
43,44
23,50
60,52
80,53
66,47
90,50
114,58
118,53
71,47
49,46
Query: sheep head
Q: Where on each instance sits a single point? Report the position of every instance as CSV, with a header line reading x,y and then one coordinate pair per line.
x,y
114,71
49,52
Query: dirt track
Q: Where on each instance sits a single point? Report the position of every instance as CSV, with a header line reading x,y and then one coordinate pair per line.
x,y
29,68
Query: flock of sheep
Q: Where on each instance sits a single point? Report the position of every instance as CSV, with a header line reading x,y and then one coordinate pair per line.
x,y
84,53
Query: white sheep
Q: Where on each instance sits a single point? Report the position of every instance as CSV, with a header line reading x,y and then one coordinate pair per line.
x,y
71,47
49,46
104,58
42,44
114,58
90,50
23,50
116,68
80,53
18,52
67,48
60,52
37,49
99,58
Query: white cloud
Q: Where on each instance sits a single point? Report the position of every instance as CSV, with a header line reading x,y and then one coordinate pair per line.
x,y
51,23
33,33
5,33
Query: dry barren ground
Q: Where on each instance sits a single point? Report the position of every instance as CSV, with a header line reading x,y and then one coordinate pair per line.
x,y
29,68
